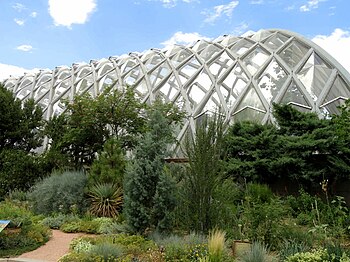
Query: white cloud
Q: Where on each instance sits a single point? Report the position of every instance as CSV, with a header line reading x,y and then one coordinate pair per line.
x,y
173,3
9,70
337,44
241,28
290,7
68,12
257,2
312,4
33,14
19,7
181,38
220,10
24,48
19,22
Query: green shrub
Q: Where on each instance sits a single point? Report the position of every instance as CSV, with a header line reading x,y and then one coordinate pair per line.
x,y
90,227
17,195
182,248
18,170
330,219
82,246
81,257
132,246
257,253
19,216
71,227
59,193
258,193
337,253
306,208
263,221
297,235
289,248
107,250
313,256
197,252
115,227
227,197
24,234
56,221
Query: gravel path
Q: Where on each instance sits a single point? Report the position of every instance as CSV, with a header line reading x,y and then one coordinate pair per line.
x,y
55,248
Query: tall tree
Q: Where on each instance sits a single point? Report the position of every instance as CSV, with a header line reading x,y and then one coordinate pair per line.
x,y
79,133
302,147
148,194
20,134
20,126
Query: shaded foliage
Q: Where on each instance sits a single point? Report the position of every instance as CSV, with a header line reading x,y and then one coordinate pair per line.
x,y
20,127
109,167
301,147
79,133
21,134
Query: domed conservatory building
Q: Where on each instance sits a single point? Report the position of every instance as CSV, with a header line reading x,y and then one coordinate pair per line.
x,y
242,76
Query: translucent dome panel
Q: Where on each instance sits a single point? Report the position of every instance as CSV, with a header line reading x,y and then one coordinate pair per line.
x,y
239,76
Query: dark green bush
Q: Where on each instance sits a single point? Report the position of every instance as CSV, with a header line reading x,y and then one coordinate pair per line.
x,y
297,235
18,171
60,193
227,197
261,215
258,193
263,222
337,252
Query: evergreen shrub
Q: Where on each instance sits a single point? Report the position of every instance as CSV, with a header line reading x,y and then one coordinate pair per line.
x,y
60,193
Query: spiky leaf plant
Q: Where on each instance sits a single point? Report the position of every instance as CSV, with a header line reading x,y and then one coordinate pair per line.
x,y
106,199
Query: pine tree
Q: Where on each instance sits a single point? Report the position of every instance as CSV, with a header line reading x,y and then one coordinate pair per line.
x,y
110,165
146,187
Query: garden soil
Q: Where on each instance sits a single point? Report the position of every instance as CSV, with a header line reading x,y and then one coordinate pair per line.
x,y
55,248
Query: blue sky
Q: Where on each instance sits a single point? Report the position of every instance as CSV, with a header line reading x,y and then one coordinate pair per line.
x,y
48,33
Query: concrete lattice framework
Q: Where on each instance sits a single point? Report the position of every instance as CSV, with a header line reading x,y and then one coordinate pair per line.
x,y
240,75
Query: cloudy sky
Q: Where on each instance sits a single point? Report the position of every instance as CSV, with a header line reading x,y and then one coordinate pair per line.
x,y
48,33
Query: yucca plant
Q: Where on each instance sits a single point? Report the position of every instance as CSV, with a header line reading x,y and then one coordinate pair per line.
x,y
106,199
216,245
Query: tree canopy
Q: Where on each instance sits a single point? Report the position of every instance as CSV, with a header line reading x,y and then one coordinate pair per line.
x,y
301,147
